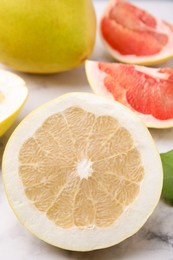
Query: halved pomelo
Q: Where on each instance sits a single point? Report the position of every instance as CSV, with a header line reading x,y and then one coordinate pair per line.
x,y
85,173
132,35
13,94
146,91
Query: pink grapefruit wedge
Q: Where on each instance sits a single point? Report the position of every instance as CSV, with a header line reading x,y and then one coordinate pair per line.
x,y
132,35
146,91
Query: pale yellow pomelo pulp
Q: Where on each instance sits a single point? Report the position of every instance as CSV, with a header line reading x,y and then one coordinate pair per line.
x,y
13,94
85,173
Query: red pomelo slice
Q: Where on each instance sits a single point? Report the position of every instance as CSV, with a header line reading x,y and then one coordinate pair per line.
x,y
146,91
132,35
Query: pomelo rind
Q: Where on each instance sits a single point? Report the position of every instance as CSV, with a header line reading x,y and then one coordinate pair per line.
x,y
132,59
14,88
82,239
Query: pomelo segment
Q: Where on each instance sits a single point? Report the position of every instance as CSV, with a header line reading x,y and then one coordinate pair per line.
x,y
146,91
13,94
132,35
86,169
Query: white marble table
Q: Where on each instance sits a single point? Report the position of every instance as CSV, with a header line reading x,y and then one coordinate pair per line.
x,y
153,241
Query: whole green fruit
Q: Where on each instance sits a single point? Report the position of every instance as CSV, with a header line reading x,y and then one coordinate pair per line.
x,y
45,36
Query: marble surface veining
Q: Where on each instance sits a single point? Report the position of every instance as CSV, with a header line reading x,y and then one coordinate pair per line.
x,y
154,240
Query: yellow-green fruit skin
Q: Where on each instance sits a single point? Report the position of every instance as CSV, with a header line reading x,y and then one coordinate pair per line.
x,y
8,122
46,36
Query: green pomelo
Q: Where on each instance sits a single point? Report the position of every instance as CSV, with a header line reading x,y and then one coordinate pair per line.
x,y
46,36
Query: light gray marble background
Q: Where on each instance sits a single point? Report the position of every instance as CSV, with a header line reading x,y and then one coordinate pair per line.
x,y
154,240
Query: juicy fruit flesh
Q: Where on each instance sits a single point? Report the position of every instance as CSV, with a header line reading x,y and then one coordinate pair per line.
x,y
132,31
80,169
147,94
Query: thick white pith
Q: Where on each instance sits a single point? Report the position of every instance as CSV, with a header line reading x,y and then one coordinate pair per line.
x,y
12,93
2,97
96,80
90,238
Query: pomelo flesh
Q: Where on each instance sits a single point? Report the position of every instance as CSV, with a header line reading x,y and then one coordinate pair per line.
x,y
147,91
85,168
133,35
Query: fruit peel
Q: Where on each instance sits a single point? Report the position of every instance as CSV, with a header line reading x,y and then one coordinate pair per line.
x,y
47,37
14,94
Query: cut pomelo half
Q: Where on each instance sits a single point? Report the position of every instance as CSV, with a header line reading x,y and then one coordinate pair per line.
x,y
146,91
13,94
132,35
85,173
